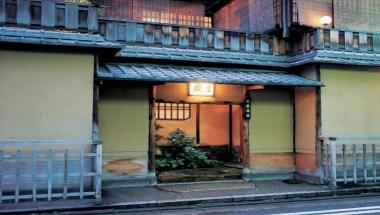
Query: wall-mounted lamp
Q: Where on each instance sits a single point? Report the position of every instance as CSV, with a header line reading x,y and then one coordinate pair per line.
x,y
326,21
201,89
247,108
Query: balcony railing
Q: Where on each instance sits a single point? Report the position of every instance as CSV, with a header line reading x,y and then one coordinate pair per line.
x,y
186,37
49,14
52,14
333,39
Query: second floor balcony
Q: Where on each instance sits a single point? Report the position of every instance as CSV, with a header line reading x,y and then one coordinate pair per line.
x,y
190,42
49,14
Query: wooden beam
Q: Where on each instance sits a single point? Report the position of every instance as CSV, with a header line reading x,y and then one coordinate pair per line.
x,y
255,87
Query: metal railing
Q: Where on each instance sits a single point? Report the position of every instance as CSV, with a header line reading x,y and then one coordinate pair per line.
x,y
350,160
47,170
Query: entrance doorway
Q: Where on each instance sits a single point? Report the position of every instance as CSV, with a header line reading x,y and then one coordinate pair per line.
x,y
215,130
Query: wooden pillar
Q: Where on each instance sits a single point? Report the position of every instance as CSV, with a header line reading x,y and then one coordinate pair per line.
x,y
246,155
152,138
230,133
198,124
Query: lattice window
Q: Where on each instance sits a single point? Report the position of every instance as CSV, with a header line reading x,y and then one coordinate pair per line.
x,y
177,19
172,111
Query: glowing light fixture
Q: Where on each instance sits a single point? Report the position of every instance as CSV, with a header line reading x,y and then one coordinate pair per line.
x,y
201,89
326,20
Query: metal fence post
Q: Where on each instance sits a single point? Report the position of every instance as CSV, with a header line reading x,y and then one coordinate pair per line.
x,y
333,162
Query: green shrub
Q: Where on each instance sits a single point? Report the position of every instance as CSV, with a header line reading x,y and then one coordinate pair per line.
x,y
180,152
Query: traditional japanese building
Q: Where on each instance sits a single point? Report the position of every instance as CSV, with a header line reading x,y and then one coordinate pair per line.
x,y
83,85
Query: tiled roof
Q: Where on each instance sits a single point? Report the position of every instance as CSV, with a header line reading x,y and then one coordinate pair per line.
x,y
159,73
245,58
338,57
61,38
199,55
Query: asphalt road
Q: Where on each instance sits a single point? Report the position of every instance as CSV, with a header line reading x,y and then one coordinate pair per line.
x,y
338,206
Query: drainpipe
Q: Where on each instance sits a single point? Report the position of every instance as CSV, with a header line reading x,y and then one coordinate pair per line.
x,y
332,14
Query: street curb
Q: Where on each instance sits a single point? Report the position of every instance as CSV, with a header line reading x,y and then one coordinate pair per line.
x,y
254,199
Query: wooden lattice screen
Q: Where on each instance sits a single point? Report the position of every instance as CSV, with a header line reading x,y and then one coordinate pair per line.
x,y
309,12
358,15
158,11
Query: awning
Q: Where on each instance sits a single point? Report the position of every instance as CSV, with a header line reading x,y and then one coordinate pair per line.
x,y
160,73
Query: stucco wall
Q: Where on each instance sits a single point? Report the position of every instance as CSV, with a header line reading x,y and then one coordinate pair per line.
x,y
124,130
271,132
46,96
350,101
271,126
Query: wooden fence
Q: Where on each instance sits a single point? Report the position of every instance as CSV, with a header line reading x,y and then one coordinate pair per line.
x,y
49,14
46,170
350,160
185,36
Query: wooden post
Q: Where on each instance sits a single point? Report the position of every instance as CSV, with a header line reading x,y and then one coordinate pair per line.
x,y
23,12
246,159
1,175
365,162
3,14
230,131
34,174
218,39
50,173
374,162
81,173
326,163
354,162
130,31
344,163
152,137
197,124
18,172
333,163
98,176
71,16
65,173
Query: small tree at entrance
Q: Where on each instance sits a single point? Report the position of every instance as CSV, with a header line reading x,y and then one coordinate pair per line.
x,y
180,153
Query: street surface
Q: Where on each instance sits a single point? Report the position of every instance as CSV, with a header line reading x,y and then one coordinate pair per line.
x,y
339,206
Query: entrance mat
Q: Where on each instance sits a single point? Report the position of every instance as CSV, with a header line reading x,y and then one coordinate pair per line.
x,y
205,186
201,174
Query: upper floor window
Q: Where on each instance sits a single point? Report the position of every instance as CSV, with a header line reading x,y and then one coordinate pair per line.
x,y
177,19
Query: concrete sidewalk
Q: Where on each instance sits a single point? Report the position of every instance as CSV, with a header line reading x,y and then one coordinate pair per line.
x,y
188,194
160,196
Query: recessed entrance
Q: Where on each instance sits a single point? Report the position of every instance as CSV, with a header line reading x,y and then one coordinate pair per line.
x,y
215,130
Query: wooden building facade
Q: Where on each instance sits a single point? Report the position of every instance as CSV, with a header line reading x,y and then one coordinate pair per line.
x,y
82,84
